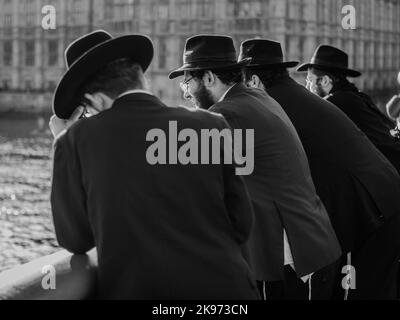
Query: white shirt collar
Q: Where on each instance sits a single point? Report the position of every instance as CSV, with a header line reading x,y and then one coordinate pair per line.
x,y
134,91
226,92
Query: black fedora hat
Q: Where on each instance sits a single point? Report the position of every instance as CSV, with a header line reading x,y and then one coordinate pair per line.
x,y
330,58
89,54
264,53
208,52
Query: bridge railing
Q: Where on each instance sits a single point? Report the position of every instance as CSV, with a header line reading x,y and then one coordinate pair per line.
x,y
60,276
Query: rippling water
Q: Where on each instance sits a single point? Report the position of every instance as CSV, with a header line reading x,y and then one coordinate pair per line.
x,y
26,228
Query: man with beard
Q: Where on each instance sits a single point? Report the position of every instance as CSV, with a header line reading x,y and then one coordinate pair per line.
x,y
327,77
293,237
356,183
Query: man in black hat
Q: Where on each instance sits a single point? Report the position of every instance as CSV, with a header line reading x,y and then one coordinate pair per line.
x,y
327,77
155,235
293,236
356,183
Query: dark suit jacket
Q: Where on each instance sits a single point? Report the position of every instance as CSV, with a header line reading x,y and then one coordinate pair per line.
x,y
357,184
361,110
163,231
281,189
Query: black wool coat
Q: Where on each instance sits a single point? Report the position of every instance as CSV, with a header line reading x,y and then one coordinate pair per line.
x,y
281,189
161,231
360,108
357,184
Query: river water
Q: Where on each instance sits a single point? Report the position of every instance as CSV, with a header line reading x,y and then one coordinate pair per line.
x,y
26,228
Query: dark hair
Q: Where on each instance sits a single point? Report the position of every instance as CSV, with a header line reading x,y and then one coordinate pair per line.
x,y
117,77
336,75
267,75
227,77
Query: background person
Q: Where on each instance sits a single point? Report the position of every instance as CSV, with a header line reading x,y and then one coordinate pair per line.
x,y
327,74
357,184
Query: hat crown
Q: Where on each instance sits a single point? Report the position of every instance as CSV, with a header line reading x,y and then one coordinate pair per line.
x,y
330,56
209,48
261,51
85,43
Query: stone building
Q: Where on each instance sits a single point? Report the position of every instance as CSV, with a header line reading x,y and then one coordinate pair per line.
x,y
31,58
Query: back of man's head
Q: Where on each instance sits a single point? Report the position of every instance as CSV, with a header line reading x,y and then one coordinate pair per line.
x,y
267,75
227,77
116,78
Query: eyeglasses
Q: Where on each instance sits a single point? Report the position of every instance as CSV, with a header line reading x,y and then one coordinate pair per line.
x,y
185,84
310,80
87,105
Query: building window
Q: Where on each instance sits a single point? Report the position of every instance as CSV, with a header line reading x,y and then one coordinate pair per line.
x,y
184,9
206,9
162,60
7,53
28,85
163,9
30,19
30,53
6,84
7,22
109,9
53,52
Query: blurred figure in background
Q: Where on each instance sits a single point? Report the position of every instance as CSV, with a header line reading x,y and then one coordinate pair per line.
x,y
327,77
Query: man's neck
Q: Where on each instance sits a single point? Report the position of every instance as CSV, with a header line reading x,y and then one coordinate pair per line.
x,y
225,91
141,90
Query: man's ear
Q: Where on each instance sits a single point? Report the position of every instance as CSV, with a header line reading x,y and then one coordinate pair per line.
x,y
94,98
255,81
99,100
326,81
209,79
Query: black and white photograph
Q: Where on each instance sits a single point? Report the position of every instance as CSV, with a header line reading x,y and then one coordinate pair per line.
x,y
203,156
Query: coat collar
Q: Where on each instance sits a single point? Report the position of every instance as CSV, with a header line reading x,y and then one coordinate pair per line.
x,y
137,98
344,86
235,89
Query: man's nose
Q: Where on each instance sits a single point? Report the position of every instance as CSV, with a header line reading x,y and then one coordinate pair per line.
x,y
187,95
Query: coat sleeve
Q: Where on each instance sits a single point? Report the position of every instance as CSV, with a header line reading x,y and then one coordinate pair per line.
x,y
68,199
237,199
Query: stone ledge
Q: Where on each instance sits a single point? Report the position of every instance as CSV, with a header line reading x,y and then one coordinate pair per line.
x,y
75,278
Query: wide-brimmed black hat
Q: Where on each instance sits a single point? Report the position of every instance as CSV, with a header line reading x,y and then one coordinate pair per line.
x,y
264,53
88,55
204,52
330,58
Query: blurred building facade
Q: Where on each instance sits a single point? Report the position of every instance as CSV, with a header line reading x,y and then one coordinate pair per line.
x,y
32,62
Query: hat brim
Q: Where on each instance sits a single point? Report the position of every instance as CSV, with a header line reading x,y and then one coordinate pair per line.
x,y
207,66
287,64
349,72
139,48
